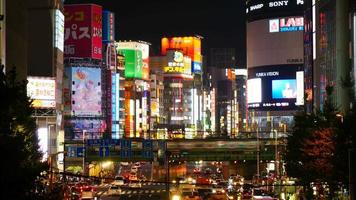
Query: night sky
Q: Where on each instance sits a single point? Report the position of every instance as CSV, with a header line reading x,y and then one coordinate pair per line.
x,y
221,23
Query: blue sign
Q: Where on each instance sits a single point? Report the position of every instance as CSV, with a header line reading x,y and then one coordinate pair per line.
x,y
104,151
126,154
147,148
197,67
80,152
71,152
94,142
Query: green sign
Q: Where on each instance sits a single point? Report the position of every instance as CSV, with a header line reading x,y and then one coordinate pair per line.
x,y
133,63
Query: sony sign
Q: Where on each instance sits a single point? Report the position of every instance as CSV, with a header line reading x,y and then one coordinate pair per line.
x,y
278,3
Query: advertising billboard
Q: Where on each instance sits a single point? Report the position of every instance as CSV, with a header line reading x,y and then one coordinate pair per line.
x,y
190,46
286,24
58,30
108,26
275,42
89,128
275,87
83,31
262,9
136,59
177,63
115,106
86,91
42,91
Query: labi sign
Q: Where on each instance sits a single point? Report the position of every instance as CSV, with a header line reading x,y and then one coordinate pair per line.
x,y
286,24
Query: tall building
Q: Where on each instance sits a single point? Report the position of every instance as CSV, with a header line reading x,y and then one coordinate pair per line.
x,y
328,51
83,82
275,86
241,86
222,57
137,87
181,64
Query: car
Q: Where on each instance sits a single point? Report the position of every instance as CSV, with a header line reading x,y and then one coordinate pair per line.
x,y
137,164
88,192
133,176
191,195
119,180
134,169
114,190
203,180
205,192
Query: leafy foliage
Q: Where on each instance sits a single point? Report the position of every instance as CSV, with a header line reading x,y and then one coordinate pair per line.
x,y
18,140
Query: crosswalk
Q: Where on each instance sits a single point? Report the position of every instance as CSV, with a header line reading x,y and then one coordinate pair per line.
x,y
143,191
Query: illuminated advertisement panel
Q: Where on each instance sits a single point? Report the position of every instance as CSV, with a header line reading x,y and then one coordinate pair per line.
x,y
133,63
89,128
261,9
190,46
275,87
137,59
177,63
83,31
108,26
286,24
115,95
58,30
86,91
42,91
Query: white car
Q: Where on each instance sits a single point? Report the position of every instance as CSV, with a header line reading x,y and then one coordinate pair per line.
x,y
119,180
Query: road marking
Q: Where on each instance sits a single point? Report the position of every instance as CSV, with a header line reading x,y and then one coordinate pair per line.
x,y
163,190
128,192
141,191
147,191
150,195
130,196
134,192
152,191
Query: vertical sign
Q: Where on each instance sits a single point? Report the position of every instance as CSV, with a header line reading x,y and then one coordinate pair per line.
x,y
83,31
115,106
108,26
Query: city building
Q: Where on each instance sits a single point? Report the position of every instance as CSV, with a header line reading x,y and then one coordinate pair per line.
x,y
83,82
222,57
329,52
42,67
241,87
137,87
181,64
275,85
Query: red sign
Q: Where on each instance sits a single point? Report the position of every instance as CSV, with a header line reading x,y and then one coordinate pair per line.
x,y
83,31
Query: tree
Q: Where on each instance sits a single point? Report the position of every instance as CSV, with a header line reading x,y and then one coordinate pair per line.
x,y
317,147
19,150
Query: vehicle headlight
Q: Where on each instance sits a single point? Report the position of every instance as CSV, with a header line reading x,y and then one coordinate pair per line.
x,y
174,181
231,197
175,197
214,191
194,181
181,181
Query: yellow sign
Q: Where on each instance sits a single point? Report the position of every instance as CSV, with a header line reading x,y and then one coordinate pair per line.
x,y
173,69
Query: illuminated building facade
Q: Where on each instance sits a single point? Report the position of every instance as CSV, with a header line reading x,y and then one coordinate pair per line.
x,y
137,88
329,51
275,85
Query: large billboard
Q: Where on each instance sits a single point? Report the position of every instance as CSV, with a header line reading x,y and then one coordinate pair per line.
x,y
136,59
275,87
86,91
177,63
83,31
108,26
190,46
275,41
42,91
88,128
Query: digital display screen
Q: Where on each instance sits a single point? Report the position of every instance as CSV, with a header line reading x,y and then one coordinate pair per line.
x,y
255,93
276,87
284,89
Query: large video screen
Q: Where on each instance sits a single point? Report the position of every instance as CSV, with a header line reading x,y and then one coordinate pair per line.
x,y
86,91
275,87
284,89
